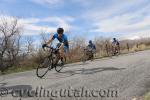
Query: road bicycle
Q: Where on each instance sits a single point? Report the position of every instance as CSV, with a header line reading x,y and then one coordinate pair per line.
x,y
87,55
115,50
53,60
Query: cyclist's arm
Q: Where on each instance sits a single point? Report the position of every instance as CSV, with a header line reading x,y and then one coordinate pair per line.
x,y
50,40
62,45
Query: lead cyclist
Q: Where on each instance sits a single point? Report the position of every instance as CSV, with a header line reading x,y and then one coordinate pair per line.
x,y
62,38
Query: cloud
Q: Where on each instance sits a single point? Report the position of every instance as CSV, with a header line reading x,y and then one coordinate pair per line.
x,y
122,24
32,26
129,18
126,18
109,8
136,35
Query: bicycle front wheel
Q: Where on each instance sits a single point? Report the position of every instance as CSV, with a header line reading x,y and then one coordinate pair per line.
x,y
59,65
44,67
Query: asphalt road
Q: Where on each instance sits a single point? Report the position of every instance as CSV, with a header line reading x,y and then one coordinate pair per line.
x,y
118,78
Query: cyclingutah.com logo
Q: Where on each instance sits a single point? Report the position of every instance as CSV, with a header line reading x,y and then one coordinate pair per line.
x,y
41,92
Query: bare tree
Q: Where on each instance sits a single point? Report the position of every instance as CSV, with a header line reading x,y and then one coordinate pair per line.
x,y
44,37
10,35
29,45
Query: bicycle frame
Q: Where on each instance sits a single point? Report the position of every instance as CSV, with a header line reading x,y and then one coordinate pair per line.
x,y
51,61
53,51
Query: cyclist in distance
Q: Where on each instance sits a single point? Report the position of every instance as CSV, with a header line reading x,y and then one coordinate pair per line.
x,y
91,46
115,46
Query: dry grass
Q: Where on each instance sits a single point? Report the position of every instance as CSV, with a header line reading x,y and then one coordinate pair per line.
x,y
104,49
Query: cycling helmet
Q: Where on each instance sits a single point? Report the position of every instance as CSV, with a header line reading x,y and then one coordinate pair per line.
x,y
114,39
90,41
60,30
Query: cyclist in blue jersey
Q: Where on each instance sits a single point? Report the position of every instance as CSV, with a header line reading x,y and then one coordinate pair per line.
x,y
115,46
91,50
91,46
62,38
115,42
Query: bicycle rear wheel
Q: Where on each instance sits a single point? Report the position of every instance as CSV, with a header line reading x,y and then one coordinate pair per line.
x,y
44,67
84,58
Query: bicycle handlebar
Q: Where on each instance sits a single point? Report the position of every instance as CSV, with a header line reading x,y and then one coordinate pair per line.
x,y
48,47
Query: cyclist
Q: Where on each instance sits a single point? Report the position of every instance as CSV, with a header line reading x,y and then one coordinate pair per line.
x,y
91,48
115,46
62,38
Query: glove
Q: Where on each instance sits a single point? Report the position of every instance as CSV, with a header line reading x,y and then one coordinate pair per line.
x,y
44,45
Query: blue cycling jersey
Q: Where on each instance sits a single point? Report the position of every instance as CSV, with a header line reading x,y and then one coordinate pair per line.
x,y
92,46
63,39
115,42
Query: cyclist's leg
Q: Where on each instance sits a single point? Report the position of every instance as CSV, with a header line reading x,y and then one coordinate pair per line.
x,y
66,52
61,56
117,49
61,51
113,49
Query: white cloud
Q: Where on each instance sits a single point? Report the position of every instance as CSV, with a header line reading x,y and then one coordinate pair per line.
x,y
29,20
61,22
122,24
136,35
110,8
131,18
32,25
118,18
32,28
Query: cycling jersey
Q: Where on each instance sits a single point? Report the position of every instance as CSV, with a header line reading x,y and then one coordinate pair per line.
x,y
64,40
115,42
92,46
